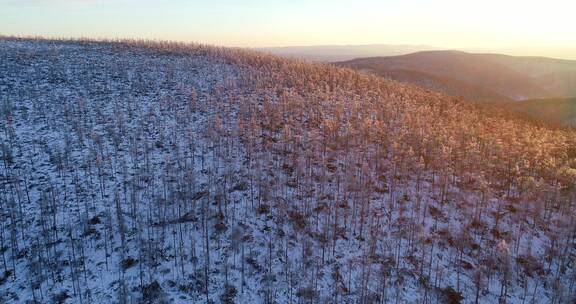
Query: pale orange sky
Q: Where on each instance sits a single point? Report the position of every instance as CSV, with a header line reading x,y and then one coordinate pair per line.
x,y
544,28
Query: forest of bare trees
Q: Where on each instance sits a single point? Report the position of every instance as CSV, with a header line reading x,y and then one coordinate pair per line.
x,y
159,172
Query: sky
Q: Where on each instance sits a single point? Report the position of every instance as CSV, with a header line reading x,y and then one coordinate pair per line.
x,y
528,27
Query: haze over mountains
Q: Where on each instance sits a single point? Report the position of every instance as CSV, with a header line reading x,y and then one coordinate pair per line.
x,y
333,53
457,73
492,78
555,110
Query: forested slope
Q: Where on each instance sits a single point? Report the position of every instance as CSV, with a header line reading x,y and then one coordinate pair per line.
x,y
150,172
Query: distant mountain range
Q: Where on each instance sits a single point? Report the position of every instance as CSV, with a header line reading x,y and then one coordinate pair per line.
x,y
490,78
545,86
333,53
478,76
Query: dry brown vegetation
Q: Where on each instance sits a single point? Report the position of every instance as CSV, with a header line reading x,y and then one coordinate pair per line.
x,y
352,186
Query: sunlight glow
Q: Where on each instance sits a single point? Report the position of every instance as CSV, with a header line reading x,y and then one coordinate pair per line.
x,y
521,27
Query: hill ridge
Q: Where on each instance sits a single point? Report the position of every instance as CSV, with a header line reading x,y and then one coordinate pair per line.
x,y
162,172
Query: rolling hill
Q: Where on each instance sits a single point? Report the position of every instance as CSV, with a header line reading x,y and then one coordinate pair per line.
x,y
163,172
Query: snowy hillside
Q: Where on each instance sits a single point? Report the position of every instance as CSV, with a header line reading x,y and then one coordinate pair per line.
x,y
137,172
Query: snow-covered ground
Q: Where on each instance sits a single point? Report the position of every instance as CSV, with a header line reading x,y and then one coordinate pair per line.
x,y
127,178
